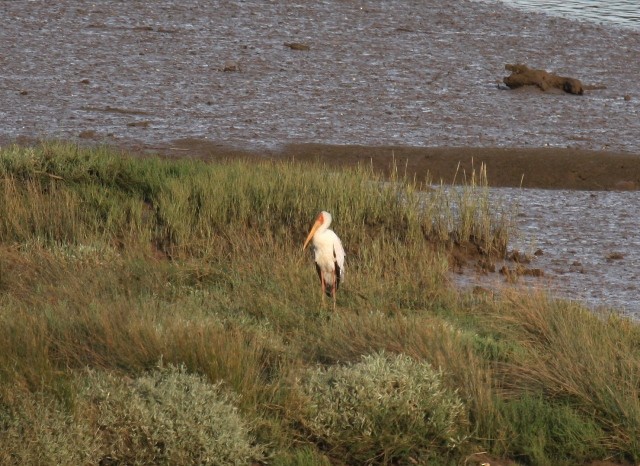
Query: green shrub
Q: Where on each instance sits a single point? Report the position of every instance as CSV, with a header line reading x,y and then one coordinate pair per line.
x,y
167,417
384,409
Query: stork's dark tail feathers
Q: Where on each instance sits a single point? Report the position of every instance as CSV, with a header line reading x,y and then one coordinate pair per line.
x,y
329,280
328,290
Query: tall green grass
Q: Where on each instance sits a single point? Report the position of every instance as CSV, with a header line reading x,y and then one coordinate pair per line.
x,y
114,268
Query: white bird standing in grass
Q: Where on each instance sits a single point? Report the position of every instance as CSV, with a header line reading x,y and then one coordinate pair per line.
x,y
329,255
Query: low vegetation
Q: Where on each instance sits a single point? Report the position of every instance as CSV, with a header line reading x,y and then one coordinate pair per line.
x,y
157,311
393,406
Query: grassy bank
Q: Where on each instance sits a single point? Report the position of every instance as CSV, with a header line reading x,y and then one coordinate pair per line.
x,y
159,311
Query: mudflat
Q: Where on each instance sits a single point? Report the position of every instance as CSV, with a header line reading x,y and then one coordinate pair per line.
x,y
344,83
365,79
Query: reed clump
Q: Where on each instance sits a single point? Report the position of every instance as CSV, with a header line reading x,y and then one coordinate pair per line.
x,y
180,287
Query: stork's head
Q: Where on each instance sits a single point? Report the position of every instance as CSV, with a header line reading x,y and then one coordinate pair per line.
x,y
323,220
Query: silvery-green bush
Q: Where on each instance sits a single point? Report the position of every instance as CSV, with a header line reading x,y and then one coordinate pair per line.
x,y
167,417
385,408
40,430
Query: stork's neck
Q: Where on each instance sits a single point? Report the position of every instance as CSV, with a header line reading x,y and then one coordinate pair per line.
x,y
322,228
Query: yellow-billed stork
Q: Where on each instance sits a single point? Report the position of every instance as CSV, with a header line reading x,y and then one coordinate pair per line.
x,y
329,255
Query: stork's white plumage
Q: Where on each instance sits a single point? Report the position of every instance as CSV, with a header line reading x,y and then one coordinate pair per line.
x,y
329,255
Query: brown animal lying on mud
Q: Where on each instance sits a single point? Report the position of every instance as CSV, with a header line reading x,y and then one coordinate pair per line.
x,y
522,75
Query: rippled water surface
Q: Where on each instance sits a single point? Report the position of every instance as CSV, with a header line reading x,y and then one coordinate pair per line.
x,y
625,13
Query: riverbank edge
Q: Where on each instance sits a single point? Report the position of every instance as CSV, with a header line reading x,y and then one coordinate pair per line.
x,y
537,167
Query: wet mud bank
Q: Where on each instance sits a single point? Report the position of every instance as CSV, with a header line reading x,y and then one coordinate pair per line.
x,y
513,167
544,168
527,168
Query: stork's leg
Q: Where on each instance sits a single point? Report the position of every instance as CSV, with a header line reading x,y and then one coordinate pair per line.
x,y
324,287
333,290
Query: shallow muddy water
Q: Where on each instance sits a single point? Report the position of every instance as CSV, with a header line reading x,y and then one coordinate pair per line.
x,y
590,244
415,73
400,72
625,13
